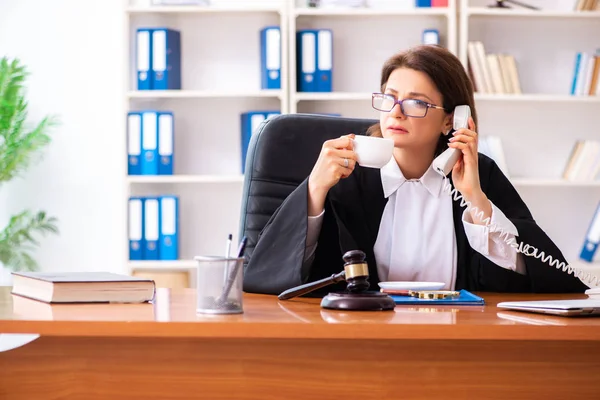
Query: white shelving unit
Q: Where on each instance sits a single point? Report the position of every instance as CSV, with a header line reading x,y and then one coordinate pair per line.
x,y
539,128
220,67
360,47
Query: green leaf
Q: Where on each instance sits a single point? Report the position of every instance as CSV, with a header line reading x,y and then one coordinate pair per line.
x,y
18,239
20,144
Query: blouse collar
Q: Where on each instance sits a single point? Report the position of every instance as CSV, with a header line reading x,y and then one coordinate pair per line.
x,y
392,179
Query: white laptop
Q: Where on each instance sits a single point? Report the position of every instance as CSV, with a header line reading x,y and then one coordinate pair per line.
x,y
568,308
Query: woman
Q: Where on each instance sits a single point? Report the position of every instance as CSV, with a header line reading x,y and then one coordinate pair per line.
x,y
401,216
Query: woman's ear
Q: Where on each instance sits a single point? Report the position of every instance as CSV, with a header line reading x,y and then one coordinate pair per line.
x,y
448,123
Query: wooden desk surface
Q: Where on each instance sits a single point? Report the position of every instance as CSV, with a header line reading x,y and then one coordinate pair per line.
x,y
173,314
295,350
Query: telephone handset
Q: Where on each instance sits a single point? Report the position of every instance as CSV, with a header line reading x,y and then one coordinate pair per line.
x,y
444,163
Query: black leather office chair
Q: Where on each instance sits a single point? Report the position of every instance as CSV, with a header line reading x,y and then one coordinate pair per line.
x,y
281,154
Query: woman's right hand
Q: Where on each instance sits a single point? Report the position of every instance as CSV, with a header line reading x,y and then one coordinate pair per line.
x,y
336,161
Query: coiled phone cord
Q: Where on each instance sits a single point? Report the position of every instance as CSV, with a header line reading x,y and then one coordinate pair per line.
x,y
586,277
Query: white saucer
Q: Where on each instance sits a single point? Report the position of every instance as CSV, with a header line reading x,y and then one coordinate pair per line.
x,y
411,285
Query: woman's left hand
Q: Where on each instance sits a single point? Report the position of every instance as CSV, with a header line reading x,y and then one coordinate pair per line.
x,y
465,174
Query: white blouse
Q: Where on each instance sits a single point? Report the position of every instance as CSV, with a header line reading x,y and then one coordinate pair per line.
x,y
416,239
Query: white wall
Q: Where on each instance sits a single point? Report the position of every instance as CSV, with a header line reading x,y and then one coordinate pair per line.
x,y
75,52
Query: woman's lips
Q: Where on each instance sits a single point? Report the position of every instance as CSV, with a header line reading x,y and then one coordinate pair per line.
x,y
397,129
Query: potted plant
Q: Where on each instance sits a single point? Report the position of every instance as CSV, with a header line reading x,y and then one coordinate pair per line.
x,y
20,143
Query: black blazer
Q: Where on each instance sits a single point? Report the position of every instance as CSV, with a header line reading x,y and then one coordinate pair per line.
x,y
353,211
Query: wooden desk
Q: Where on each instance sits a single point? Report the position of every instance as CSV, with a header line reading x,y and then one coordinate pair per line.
x,y
295,350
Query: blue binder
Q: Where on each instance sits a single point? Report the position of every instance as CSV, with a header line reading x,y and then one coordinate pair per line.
x,y
270,57
423,3
249,122
431,36
324,60
134,143
151,228
306,60
169,228
136,228
465,298
165,143
149,143
592,238
166,59
143,60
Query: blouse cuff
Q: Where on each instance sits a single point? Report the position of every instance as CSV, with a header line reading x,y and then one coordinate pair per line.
x,y
491,240
314,229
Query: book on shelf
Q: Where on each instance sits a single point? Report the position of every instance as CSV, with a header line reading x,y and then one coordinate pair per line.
x,y
587,5
82,287
586,74
584,161
494,73
565,5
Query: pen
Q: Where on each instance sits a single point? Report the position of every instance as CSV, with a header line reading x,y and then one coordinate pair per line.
x,y
233,273
228,246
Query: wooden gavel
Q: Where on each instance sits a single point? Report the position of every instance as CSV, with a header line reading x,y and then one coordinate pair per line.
x,y
356,273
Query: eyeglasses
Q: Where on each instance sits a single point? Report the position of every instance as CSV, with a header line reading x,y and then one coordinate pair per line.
x,y
409,107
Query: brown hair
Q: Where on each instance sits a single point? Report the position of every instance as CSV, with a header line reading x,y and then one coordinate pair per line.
x,y
445,70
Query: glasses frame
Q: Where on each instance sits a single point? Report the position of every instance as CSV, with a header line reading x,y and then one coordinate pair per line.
x,y
399,102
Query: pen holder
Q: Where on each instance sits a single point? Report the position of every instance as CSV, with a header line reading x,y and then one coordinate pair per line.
x,y
219,287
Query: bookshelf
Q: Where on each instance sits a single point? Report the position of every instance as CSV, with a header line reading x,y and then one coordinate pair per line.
x,y
221,80
539,127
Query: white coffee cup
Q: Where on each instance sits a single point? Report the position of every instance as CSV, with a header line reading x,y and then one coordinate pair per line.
x,y
373,152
